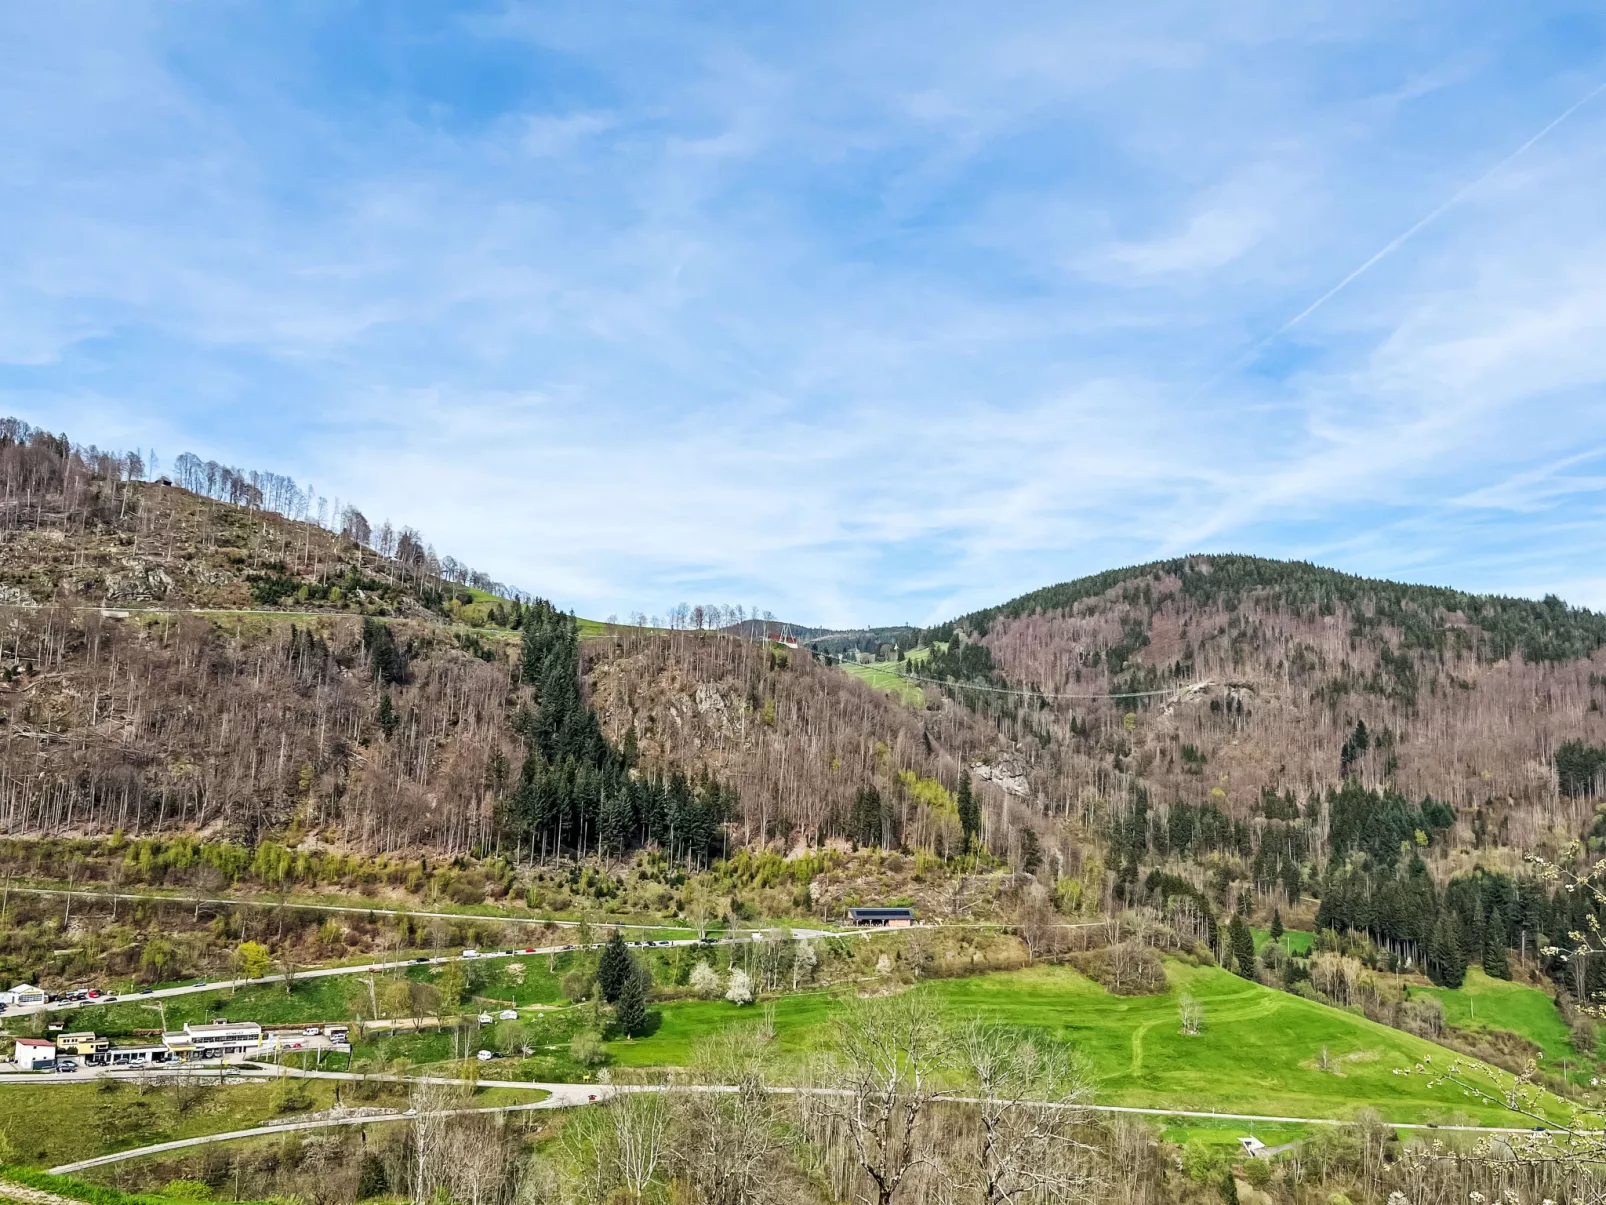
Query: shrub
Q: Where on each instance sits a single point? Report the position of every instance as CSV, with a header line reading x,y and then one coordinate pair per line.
x,y
705,981
586,1049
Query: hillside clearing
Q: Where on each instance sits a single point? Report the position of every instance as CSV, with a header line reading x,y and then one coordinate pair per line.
x,y
1261,1051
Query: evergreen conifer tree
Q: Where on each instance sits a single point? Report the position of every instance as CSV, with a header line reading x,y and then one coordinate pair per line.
x,y
969,812
371,1179
630,1013
1241,948
614,967
388,719
1276,924
1495,963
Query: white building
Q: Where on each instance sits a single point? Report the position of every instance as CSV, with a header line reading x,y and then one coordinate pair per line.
x,y
24,994
33,1053
214,1040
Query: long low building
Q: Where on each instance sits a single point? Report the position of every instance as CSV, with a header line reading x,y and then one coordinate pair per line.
x,y
890,918
214,1039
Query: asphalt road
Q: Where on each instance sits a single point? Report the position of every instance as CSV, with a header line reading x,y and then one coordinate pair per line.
x,y
364,969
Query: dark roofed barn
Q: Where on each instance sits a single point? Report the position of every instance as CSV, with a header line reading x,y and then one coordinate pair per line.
x,y
887,918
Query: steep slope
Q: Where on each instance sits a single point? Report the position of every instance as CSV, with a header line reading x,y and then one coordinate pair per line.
x,y
1224,677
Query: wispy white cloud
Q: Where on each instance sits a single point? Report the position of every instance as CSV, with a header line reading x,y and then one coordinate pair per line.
x,y
796,308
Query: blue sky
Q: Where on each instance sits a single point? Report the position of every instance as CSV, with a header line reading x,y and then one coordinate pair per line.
x,y
859,313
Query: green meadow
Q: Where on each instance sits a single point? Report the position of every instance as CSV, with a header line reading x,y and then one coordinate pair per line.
x,y
1482,1003
884,677
1261,1050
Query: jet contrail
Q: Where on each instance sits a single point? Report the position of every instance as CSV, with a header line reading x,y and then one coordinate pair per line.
x,y
1400,240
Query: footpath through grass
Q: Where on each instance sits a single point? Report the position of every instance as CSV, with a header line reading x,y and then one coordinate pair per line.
x,y
1261,1051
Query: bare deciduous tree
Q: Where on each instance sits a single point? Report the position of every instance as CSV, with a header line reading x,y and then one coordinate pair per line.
x,y
890,1055
1031,1102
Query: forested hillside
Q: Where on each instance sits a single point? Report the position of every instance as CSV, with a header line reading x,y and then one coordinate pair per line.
x,y
185,657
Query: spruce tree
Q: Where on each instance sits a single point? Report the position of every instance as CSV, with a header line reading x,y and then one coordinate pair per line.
x,y
1241,948
614,967
1276,924
388,719
630,1012
969,812
1495,963
371,1179
1455,972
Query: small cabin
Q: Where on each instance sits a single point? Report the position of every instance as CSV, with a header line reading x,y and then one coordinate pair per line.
x,y
882,918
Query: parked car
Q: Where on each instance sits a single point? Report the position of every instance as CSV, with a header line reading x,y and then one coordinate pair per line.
x,y
471,953
484,1056
92,994
66,1066
420,960
310,1031
485,1018
508,1014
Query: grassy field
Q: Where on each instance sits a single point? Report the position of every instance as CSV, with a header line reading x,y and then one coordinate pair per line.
x,y
1482,1003
1261,1050
52,1124
1295,941
74,1189
885,678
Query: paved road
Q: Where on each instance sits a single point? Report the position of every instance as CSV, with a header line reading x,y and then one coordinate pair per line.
x,y
566,1096
371,968
260,902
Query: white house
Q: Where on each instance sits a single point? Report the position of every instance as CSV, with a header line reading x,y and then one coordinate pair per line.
x,y
33,1053
23,993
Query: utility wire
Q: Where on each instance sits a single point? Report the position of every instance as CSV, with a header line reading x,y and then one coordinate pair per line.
x,y
1026,694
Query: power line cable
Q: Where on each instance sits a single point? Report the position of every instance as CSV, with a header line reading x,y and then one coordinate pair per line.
x,y
1004,690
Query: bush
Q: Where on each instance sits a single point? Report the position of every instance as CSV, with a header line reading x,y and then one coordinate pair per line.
x,y
1584,1035
187,1190
574,986
587,1049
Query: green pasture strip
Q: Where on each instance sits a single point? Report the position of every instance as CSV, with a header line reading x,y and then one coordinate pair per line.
x,y
1294,941
80,1190
1261,1050
1482,1003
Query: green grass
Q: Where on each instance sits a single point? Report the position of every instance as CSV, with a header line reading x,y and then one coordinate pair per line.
x,y
1482,1003
53,1124
1295,941
884,677
80,1190
1260,1050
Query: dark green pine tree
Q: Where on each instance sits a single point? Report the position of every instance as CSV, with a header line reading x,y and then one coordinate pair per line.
x,y
1495,963
1447,955
630,1012
1480,931
616,820
371,1179
969,811
388,719
631,753
1291,880
1276,924
867,816
614,967
1241,948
